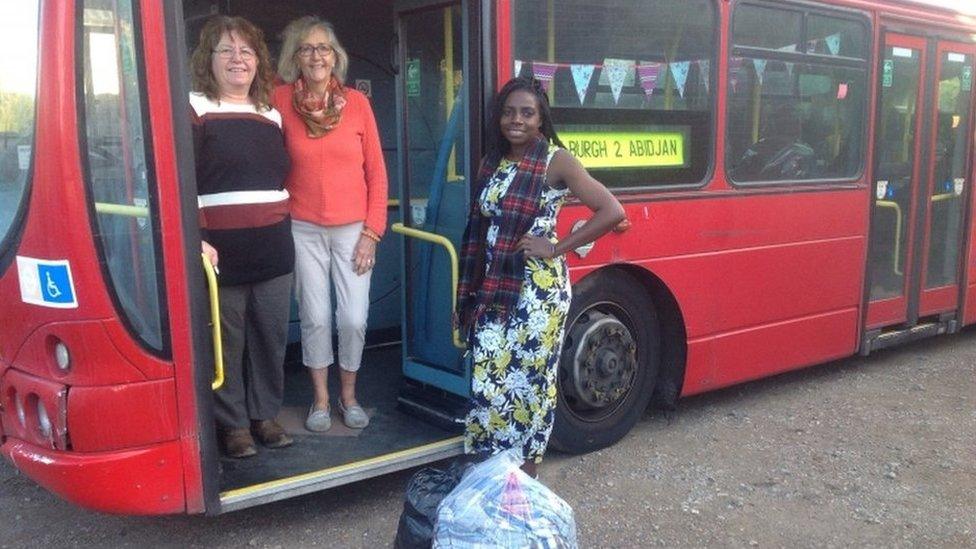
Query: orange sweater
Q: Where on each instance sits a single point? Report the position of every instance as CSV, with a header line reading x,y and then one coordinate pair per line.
x,y
339,178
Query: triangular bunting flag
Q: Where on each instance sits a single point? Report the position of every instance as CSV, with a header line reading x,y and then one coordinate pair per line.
x,y
617,71
544,72
648,72
735,67
582,74
679,71
703,73
760,65
518,67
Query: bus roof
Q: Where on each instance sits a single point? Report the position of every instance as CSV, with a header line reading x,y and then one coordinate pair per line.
x,y
966,7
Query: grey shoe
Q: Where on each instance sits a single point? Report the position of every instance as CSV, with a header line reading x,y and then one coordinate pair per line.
x,y
318,421
354,417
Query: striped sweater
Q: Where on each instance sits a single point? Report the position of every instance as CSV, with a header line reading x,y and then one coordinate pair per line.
x,y
241,165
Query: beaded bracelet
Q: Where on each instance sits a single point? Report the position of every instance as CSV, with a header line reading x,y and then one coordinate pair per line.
x,y
370,234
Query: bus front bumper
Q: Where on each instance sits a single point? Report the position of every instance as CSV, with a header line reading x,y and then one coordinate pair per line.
x,y
141,481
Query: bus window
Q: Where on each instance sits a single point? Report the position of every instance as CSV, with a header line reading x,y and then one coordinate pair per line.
x,y
630,83
117,164
18,33
796,111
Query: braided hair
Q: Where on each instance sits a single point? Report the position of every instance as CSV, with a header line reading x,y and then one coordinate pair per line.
x,y
496,145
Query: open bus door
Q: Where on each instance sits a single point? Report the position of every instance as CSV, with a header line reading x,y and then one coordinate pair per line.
x,y
431,62
440,81
922,186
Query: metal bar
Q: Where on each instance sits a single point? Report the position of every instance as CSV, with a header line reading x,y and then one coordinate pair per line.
x,y
897,208
121,209
218,344
443,241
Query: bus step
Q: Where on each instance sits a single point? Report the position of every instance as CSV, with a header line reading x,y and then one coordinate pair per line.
x,y
434,406
875,340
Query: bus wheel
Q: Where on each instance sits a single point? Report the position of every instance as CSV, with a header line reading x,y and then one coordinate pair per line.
x,y
608,364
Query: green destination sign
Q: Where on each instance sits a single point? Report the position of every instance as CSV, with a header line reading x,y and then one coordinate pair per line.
x,y
626,149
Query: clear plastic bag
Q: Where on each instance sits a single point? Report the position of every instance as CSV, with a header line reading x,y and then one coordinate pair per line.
x,y
497,505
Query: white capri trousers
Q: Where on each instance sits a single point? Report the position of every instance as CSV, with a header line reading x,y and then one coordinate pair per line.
x,y
324,257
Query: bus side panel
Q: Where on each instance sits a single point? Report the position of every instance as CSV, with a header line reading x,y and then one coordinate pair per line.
x,y
145,481
121,416
757,277
969,300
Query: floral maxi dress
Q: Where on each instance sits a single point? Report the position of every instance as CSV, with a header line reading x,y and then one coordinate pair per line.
x,y
516,357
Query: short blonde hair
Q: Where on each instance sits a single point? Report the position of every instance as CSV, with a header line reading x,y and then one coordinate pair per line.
x,y
292,36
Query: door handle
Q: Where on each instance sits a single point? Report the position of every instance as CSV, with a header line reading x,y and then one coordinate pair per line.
x,y
444,242
218,345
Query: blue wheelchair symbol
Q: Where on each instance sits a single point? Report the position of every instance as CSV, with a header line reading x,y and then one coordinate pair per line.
x,y
55,284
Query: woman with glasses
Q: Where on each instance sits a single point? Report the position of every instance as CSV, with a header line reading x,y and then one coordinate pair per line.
x,y
338,189
241,164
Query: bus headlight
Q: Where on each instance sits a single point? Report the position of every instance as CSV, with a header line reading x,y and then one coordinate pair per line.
x,y
43,421
61,356
21,415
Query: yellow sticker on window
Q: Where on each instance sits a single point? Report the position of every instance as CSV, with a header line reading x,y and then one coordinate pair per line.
x,y
626,149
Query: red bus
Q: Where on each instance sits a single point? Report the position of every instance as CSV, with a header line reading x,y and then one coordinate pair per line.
x,y
796,174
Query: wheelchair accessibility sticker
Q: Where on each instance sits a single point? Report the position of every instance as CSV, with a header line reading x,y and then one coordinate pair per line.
x,y
47,283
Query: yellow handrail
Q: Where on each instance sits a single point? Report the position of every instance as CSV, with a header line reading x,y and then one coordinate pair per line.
x,y
943,196
443,241
121,209
215,321
897,208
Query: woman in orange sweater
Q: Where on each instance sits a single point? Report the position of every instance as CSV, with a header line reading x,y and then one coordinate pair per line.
x,y
338,190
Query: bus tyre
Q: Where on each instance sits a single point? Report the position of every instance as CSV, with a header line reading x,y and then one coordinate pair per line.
x,y
608,365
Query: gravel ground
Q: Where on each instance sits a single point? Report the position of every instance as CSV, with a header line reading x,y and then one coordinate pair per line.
x,y
875,451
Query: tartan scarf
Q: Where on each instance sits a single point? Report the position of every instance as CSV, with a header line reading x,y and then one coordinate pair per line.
x,y
500,285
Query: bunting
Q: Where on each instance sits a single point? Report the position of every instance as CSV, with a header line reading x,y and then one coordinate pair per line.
x,y
582,74
735,68
648,72
760,65
518,68
679,71
544,72
617,71
704,76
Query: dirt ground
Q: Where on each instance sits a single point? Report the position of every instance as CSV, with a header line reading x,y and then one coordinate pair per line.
x,y
877,451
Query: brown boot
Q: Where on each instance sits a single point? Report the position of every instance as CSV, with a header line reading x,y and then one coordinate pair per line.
x,y
238,443
270,433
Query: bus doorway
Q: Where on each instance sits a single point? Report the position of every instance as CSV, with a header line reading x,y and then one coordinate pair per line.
x,y
921,189
413,61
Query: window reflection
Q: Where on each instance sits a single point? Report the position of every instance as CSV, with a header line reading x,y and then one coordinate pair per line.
x,y
18,80
117,164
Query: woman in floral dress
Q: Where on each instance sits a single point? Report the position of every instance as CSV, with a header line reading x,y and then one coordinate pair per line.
x,y
514,292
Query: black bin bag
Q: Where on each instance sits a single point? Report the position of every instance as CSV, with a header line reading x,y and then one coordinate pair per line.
x,y
426,489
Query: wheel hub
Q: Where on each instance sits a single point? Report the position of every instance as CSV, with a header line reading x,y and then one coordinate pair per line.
x,y
605,361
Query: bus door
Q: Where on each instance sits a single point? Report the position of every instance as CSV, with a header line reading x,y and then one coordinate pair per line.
x,y
948,181
438,77
922,148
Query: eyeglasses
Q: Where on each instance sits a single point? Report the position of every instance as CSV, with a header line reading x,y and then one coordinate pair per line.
x,y
305,50
227,52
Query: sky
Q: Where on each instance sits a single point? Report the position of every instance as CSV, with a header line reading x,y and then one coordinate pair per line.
x,y
18,27
965,6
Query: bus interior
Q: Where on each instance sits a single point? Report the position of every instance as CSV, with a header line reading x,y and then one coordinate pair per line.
x,y
408,419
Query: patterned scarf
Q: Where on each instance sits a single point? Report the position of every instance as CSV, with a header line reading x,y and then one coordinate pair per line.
x,y
500,285
319,117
